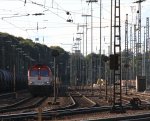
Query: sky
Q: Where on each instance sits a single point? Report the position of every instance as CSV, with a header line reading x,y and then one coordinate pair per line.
x,y
45,21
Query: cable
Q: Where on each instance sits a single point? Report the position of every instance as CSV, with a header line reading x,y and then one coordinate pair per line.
x,y
13,24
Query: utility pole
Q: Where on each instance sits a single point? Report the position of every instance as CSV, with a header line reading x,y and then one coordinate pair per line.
x,y
86,50
100,46
143,56
126,51
52,3
71,66
131,72
83,35
55,53
147,51
147,35
111,29
91,1
135,48
82,62
86,31
110,50
138,52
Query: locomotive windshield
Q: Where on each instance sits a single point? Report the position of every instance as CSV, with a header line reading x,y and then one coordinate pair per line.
x,y
41,72
44,73
34,73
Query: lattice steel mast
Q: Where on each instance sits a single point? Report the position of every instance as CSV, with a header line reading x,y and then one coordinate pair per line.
x,y
117,94
126,51
138,46
147,59
135,41
147,35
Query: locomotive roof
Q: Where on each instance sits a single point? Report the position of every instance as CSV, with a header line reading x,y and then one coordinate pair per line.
x,y
39,66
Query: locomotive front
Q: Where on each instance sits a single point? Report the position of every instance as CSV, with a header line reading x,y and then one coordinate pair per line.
x,y
40,80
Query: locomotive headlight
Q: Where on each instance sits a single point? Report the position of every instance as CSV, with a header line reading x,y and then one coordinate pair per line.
x,y
46,82
30,82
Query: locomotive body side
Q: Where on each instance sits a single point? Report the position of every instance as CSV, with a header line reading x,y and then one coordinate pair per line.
x,y
40,80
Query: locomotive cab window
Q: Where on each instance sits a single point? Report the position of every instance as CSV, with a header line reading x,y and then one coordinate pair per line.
x,y
44,73
34,73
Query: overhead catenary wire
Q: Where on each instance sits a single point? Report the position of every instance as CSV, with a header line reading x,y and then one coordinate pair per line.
x,y
58,9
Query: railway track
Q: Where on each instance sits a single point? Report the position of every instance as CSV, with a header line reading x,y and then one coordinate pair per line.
x,y
77,104
10,98
28,105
